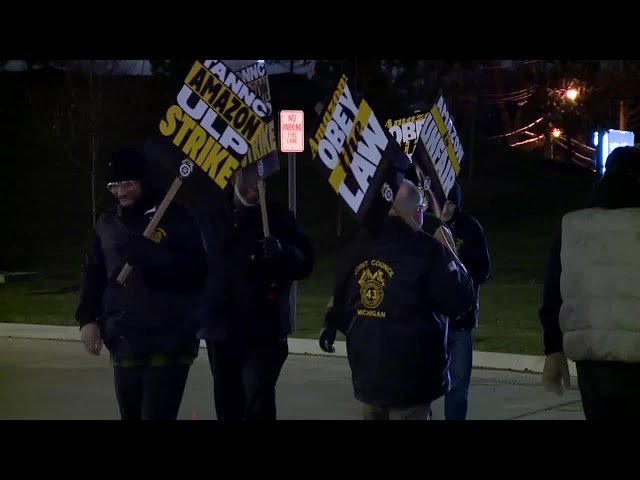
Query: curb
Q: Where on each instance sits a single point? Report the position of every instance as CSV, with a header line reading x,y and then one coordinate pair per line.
x,y
297,346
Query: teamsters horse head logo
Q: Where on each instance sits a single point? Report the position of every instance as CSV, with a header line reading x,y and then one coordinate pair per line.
x,y
371,288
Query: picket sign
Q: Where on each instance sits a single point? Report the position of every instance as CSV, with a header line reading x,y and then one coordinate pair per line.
x,y
443,234
202,82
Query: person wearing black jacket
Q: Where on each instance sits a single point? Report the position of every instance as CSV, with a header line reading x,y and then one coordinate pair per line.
x,y
394,291
248,319
471,245
431,225
147,323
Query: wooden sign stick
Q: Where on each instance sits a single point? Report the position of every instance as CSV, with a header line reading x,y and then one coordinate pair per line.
x,y
263,208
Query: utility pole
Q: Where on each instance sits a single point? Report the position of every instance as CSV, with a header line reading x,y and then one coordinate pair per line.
x,y
292,177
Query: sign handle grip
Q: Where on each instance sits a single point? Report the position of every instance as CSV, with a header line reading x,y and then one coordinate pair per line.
x,y
162,208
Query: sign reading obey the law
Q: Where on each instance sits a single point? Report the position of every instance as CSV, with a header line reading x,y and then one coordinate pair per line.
x,y
438,154
213,121
406,131
358,157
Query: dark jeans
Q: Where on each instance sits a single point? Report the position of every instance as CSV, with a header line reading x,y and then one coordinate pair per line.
x,y
150,393
460,346
245,374
609,390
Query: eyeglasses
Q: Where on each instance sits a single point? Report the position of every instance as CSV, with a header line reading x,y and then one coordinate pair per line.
x,y
114,186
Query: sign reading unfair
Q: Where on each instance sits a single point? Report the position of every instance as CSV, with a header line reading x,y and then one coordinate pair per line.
x,y
438,152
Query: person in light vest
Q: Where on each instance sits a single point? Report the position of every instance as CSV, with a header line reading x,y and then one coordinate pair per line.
x,y
591,307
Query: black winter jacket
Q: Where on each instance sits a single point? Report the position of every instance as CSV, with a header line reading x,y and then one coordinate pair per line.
x,y
393,294
247,295
153,312
471,245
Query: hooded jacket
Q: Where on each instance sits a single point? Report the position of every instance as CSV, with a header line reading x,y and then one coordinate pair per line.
x,y
471,245
248,295
153,312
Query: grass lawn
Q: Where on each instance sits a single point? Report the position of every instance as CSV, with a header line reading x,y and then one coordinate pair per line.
x,y
508,319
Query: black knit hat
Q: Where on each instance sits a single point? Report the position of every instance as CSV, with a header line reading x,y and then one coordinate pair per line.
x,y
127,164
619,186
624,161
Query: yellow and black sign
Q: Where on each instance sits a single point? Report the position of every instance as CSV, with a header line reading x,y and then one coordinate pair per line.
x,y
262,158
255,76
406,131
373,277
215,119
439,151
354,152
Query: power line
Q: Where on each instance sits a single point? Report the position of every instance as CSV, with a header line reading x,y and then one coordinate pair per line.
x,y
519,130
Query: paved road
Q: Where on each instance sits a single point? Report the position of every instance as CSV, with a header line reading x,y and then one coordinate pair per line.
x,y
56,380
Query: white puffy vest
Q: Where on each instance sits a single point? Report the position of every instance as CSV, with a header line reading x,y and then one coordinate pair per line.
x,y
600,285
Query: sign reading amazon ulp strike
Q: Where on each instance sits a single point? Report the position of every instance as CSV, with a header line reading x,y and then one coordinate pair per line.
x,y
214,120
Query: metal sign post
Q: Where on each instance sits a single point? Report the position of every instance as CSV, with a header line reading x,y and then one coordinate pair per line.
x,y
292,142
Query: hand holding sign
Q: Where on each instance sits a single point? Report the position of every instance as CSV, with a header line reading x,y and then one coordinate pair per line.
x,y
213,121
438,153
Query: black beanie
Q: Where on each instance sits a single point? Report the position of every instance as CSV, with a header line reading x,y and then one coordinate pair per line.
x,y
127,164
624,161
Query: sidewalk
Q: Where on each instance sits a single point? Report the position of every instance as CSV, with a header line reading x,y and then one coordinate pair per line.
x,y
497,361
57,380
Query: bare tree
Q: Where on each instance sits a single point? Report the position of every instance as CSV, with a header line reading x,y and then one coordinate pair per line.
x,y
74,122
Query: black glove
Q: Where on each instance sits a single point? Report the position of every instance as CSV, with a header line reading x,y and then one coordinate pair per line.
x,y
270,248
327,339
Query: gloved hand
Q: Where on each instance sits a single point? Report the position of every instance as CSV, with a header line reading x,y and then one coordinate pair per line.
x,y
555,371
327,339
271,248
